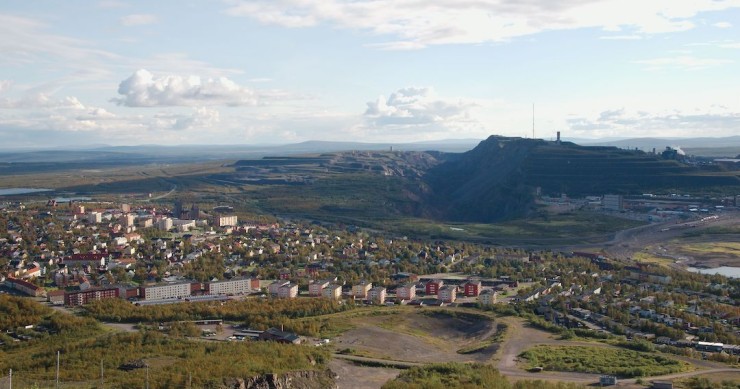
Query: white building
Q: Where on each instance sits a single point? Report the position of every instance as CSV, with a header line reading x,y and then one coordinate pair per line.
x,y
487,297
164,224
406,292
225,221
235,286
128,220
288,291
274,287
361,290
95,217
333,292
184,225
377,295
448,293
317,287
166,291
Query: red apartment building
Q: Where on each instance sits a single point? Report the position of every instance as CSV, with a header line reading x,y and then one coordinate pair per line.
x,y
433,286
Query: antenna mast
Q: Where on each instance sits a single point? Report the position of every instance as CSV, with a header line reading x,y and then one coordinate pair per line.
x,y
532,120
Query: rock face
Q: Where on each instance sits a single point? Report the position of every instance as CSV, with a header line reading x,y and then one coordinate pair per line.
x,y
310,379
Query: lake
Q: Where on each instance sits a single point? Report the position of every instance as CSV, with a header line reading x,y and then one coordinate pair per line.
x,y
20,191
727,271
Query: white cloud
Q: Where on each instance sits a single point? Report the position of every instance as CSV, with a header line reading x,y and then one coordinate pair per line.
x,y
417,109
25,41
202,118
143,89
41,100
5,85
414,24
138,19
682,62
621,37
715,120
722,25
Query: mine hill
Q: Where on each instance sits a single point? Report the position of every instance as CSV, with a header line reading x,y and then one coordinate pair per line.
x,y
498,179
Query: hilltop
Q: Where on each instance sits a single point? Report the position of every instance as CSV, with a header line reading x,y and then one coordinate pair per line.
x,y
498,179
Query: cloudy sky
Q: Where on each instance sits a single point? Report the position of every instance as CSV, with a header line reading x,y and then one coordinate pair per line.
x,y
283,71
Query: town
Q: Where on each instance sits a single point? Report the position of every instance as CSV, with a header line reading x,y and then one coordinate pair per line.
x,y
74,253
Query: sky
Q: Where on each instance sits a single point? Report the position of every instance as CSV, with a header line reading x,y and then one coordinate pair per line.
x,y
229,72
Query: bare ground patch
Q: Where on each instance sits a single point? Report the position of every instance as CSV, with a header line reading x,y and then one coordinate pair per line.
x,y
417,337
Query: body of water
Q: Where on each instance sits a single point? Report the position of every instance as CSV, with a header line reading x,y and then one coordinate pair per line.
x,y
20,191
68,199
727,271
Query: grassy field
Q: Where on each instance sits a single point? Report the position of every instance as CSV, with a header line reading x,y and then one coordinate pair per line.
x,y
566,228
601,360
644,257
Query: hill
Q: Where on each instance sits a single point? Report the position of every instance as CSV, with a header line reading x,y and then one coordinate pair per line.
x,y
499,178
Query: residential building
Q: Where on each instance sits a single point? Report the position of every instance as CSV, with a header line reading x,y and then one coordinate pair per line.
x,y
275,286
145,223
25,287
288,291
406,292
94,217
55,297
361,290
472,288
230,287
488,297
85,296
164,224
376,295
332,291
448,293
128,220
170,291
316,288
432,287
224,221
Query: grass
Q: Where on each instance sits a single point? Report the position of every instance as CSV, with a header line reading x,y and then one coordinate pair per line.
x,y
652,259
602,360
712,248
576,227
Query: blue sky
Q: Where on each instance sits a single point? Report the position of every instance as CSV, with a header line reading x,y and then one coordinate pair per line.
x,y
280,71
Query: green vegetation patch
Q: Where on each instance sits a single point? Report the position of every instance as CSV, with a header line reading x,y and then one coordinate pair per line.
x,y
602,360
83,346
458,375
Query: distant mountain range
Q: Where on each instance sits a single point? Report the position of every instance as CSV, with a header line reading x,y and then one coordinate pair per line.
x,y
710,147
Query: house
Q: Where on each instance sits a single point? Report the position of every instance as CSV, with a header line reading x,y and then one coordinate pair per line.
x,y
288,291
448,293
432,287
276,335
362,289
472,288
487,297
332,291
376,295
406,292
